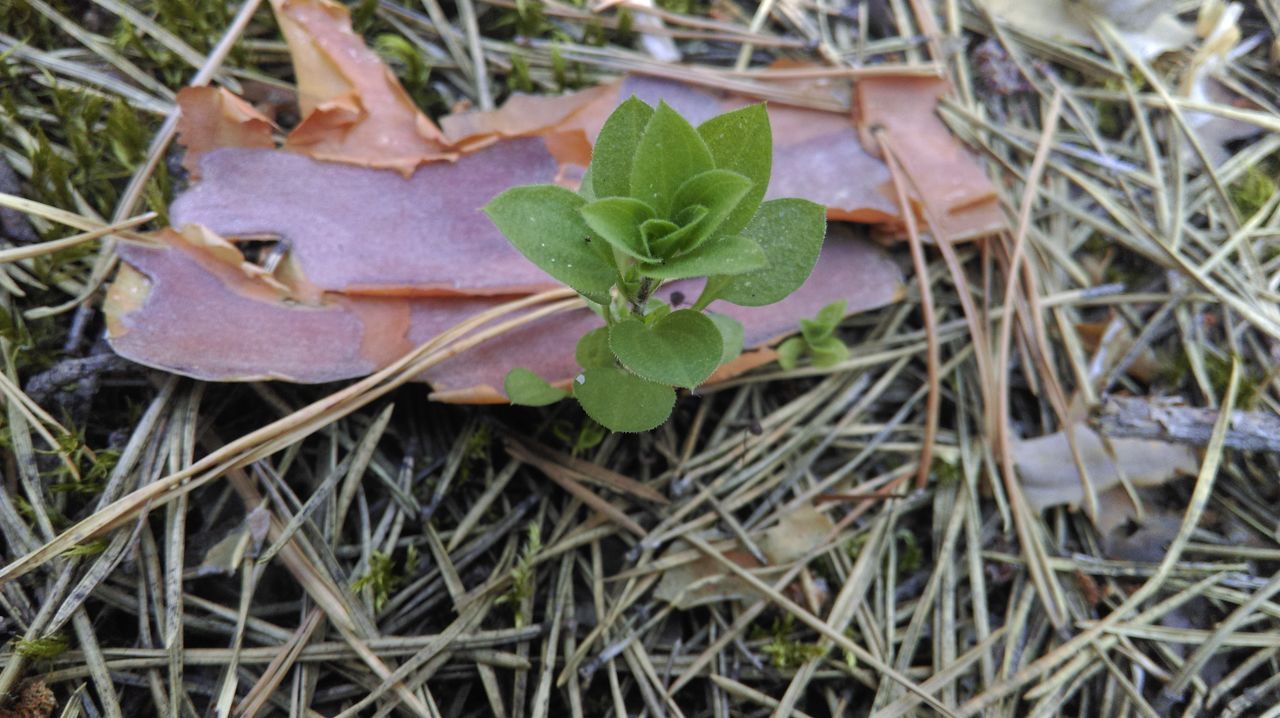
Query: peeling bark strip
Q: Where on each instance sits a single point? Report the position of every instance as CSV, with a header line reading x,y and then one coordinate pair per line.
x,y
1127,417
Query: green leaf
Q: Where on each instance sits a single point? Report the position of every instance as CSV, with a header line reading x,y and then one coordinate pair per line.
x,y
726,255
790,231
789,353
742,141
655,231
719,192
828,352
673,242
618,220
680,349
670,152
622,401
585,190
821,327
593,349
543,223
731,336
525,388
611,158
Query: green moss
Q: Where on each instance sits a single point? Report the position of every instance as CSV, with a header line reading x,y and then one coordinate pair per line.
x,y
381,578
41,649
522,577
1252,191
783,649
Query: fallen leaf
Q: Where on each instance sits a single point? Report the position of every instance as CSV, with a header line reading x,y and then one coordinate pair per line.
x,y
354,110
1148,26
1219,28
702,579
960,202
212,118
1049,476
1118,342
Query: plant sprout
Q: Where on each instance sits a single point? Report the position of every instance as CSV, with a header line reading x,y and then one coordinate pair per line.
x,y
661,201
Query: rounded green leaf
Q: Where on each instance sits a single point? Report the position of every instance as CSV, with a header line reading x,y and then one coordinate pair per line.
x,y
789,353
544,224
618,220
726,255
731,335
790,231
615,148
824,324
621,401
669,153
593,349
742,141
680,349
525,388
828,352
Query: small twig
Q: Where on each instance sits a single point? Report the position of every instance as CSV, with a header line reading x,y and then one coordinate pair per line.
x,y
1135,418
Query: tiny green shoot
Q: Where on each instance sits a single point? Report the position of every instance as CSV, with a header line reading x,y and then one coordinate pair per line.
x,y
817,340
662,201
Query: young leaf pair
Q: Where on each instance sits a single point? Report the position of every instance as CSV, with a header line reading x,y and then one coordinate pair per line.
x,y
662,200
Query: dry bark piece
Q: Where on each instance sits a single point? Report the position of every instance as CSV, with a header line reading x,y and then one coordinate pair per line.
x,y
1049,476
194,309
354,110
373,232
817,155
958,199
176,310
212,118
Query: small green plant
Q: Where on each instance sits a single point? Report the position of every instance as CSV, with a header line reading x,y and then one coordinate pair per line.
x,y
661,201
381,578
817,339
41,649
783,650
522,583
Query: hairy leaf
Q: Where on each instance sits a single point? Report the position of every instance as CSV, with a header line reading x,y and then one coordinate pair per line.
x,y
525,388
611,158
543,222
670,152
593,349
742,141
680,349
726,255
718,193
790,232
618,221
731,336
622,401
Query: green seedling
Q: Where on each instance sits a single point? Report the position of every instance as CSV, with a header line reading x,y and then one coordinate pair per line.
x,y
817,340
661,201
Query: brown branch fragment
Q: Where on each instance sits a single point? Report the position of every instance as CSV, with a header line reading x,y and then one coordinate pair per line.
x,y
1130,417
